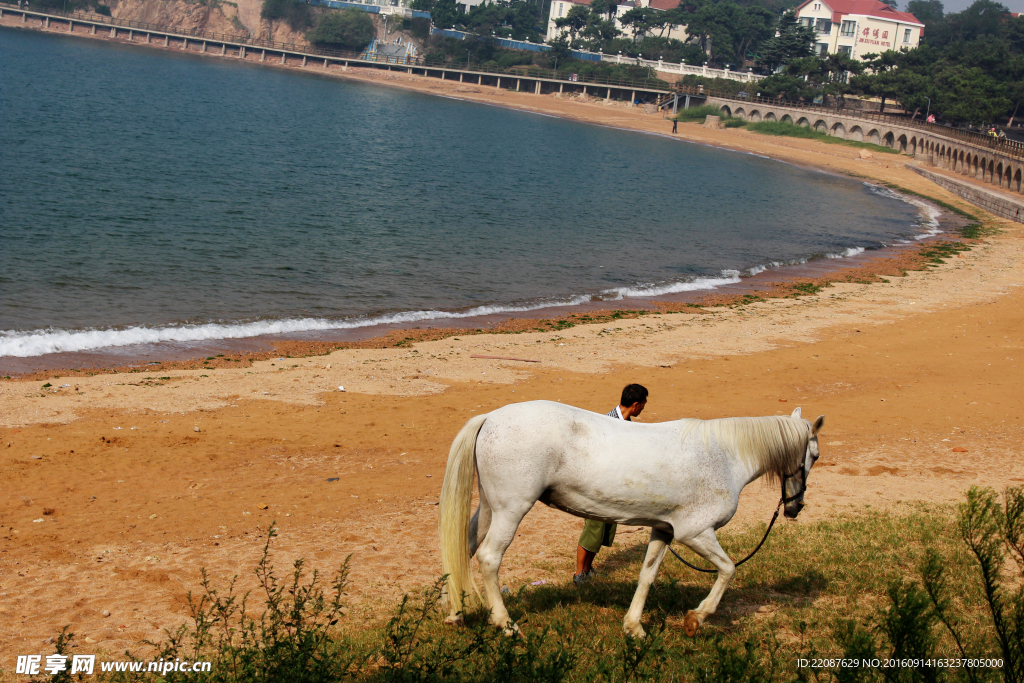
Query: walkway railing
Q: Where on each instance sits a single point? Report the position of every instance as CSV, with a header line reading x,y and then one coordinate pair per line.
x,y
418,62
684,69
1003,145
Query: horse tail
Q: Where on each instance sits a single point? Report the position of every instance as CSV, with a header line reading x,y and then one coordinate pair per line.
x,y
454,514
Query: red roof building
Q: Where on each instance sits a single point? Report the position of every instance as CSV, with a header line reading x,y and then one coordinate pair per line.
x,y
859,27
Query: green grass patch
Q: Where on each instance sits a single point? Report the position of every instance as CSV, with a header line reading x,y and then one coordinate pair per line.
x,y
913,582
698,113
794,131
935,254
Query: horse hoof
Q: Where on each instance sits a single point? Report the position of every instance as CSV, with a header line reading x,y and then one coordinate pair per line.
x,y
635,631
691,623
510,628
455,620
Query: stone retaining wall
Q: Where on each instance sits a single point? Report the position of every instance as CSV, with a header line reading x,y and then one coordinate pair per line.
x,y
993,202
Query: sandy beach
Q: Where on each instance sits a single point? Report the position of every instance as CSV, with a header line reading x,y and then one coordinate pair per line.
x,y
122,485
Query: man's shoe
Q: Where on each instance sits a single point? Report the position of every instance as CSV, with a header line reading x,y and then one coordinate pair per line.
x,y
582,578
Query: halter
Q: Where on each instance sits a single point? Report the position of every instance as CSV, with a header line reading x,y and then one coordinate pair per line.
x,y
782,501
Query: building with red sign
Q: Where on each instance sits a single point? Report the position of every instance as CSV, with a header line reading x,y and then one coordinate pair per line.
x,y
859,27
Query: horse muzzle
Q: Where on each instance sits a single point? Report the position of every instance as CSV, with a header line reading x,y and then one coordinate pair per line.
x,y
792,509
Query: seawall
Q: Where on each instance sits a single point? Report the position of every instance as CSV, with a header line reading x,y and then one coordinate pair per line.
x,y
995,203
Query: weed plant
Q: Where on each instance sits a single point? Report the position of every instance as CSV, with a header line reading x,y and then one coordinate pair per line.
x,y
697,113
919,583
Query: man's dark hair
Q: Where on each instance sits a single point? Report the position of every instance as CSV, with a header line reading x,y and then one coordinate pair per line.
x,y
633,393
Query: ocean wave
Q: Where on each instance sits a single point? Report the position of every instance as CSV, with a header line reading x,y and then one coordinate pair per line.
x,y
929,213
727,277
847,253
24,344
41,342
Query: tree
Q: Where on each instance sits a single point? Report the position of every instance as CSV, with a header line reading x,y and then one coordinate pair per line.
x,y
349,29
929,12
294,12
639,20
792,41
445,13
575,20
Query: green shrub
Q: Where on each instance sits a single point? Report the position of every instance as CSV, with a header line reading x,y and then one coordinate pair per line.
x,y
698,113
294,12
419,27
933,618
794,131
348,29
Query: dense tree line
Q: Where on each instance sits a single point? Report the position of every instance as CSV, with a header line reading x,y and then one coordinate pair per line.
x,y
347,29
969,68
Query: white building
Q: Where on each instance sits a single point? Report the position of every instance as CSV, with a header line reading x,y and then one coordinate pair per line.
x,y
859,27
560,8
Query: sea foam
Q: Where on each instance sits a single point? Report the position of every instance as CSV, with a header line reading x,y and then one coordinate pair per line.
x,y
41,342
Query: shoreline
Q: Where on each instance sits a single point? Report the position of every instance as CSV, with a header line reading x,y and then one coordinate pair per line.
x,y
787,280
809,156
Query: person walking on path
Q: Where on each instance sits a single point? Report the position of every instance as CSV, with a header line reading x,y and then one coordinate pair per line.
x,y
675,125
596,534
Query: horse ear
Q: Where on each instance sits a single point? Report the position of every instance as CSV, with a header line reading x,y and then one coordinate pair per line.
x,y
796,412
817,424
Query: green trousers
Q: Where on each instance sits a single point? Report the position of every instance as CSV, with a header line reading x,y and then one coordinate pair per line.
x,y
597,534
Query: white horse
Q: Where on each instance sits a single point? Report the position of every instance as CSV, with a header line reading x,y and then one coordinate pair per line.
x,y
683,479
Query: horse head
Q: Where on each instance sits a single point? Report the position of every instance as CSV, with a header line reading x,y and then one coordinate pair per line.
x,y
795,485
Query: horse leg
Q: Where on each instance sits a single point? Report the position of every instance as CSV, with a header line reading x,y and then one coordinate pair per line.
x,y
706,545
479,524
655,554
503,529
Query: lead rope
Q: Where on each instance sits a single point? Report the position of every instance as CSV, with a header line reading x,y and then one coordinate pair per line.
x,y
752,553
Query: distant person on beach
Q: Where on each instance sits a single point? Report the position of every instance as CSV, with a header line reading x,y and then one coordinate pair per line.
x,y
675,125
596,534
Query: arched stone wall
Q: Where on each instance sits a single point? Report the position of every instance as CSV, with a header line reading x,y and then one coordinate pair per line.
x,y
973,158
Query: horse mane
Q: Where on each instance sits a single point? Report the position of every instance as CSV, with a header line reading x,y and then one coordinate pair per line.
x,y
774,444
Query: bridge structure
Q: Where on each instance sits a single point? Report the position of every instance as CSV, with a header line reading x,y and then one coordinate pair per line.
x,y
247,48
998,161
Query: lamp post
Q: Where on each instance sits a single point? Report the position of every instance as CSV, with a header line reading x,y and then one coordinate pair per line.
x,y
467,60
929,110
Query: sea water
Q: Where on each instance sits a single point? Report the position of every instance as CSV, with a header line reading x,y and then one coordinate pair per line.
x,y
149,196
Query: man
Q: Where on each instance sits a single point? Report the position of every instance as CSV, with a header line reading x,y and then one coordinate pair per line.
x,y
596,534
